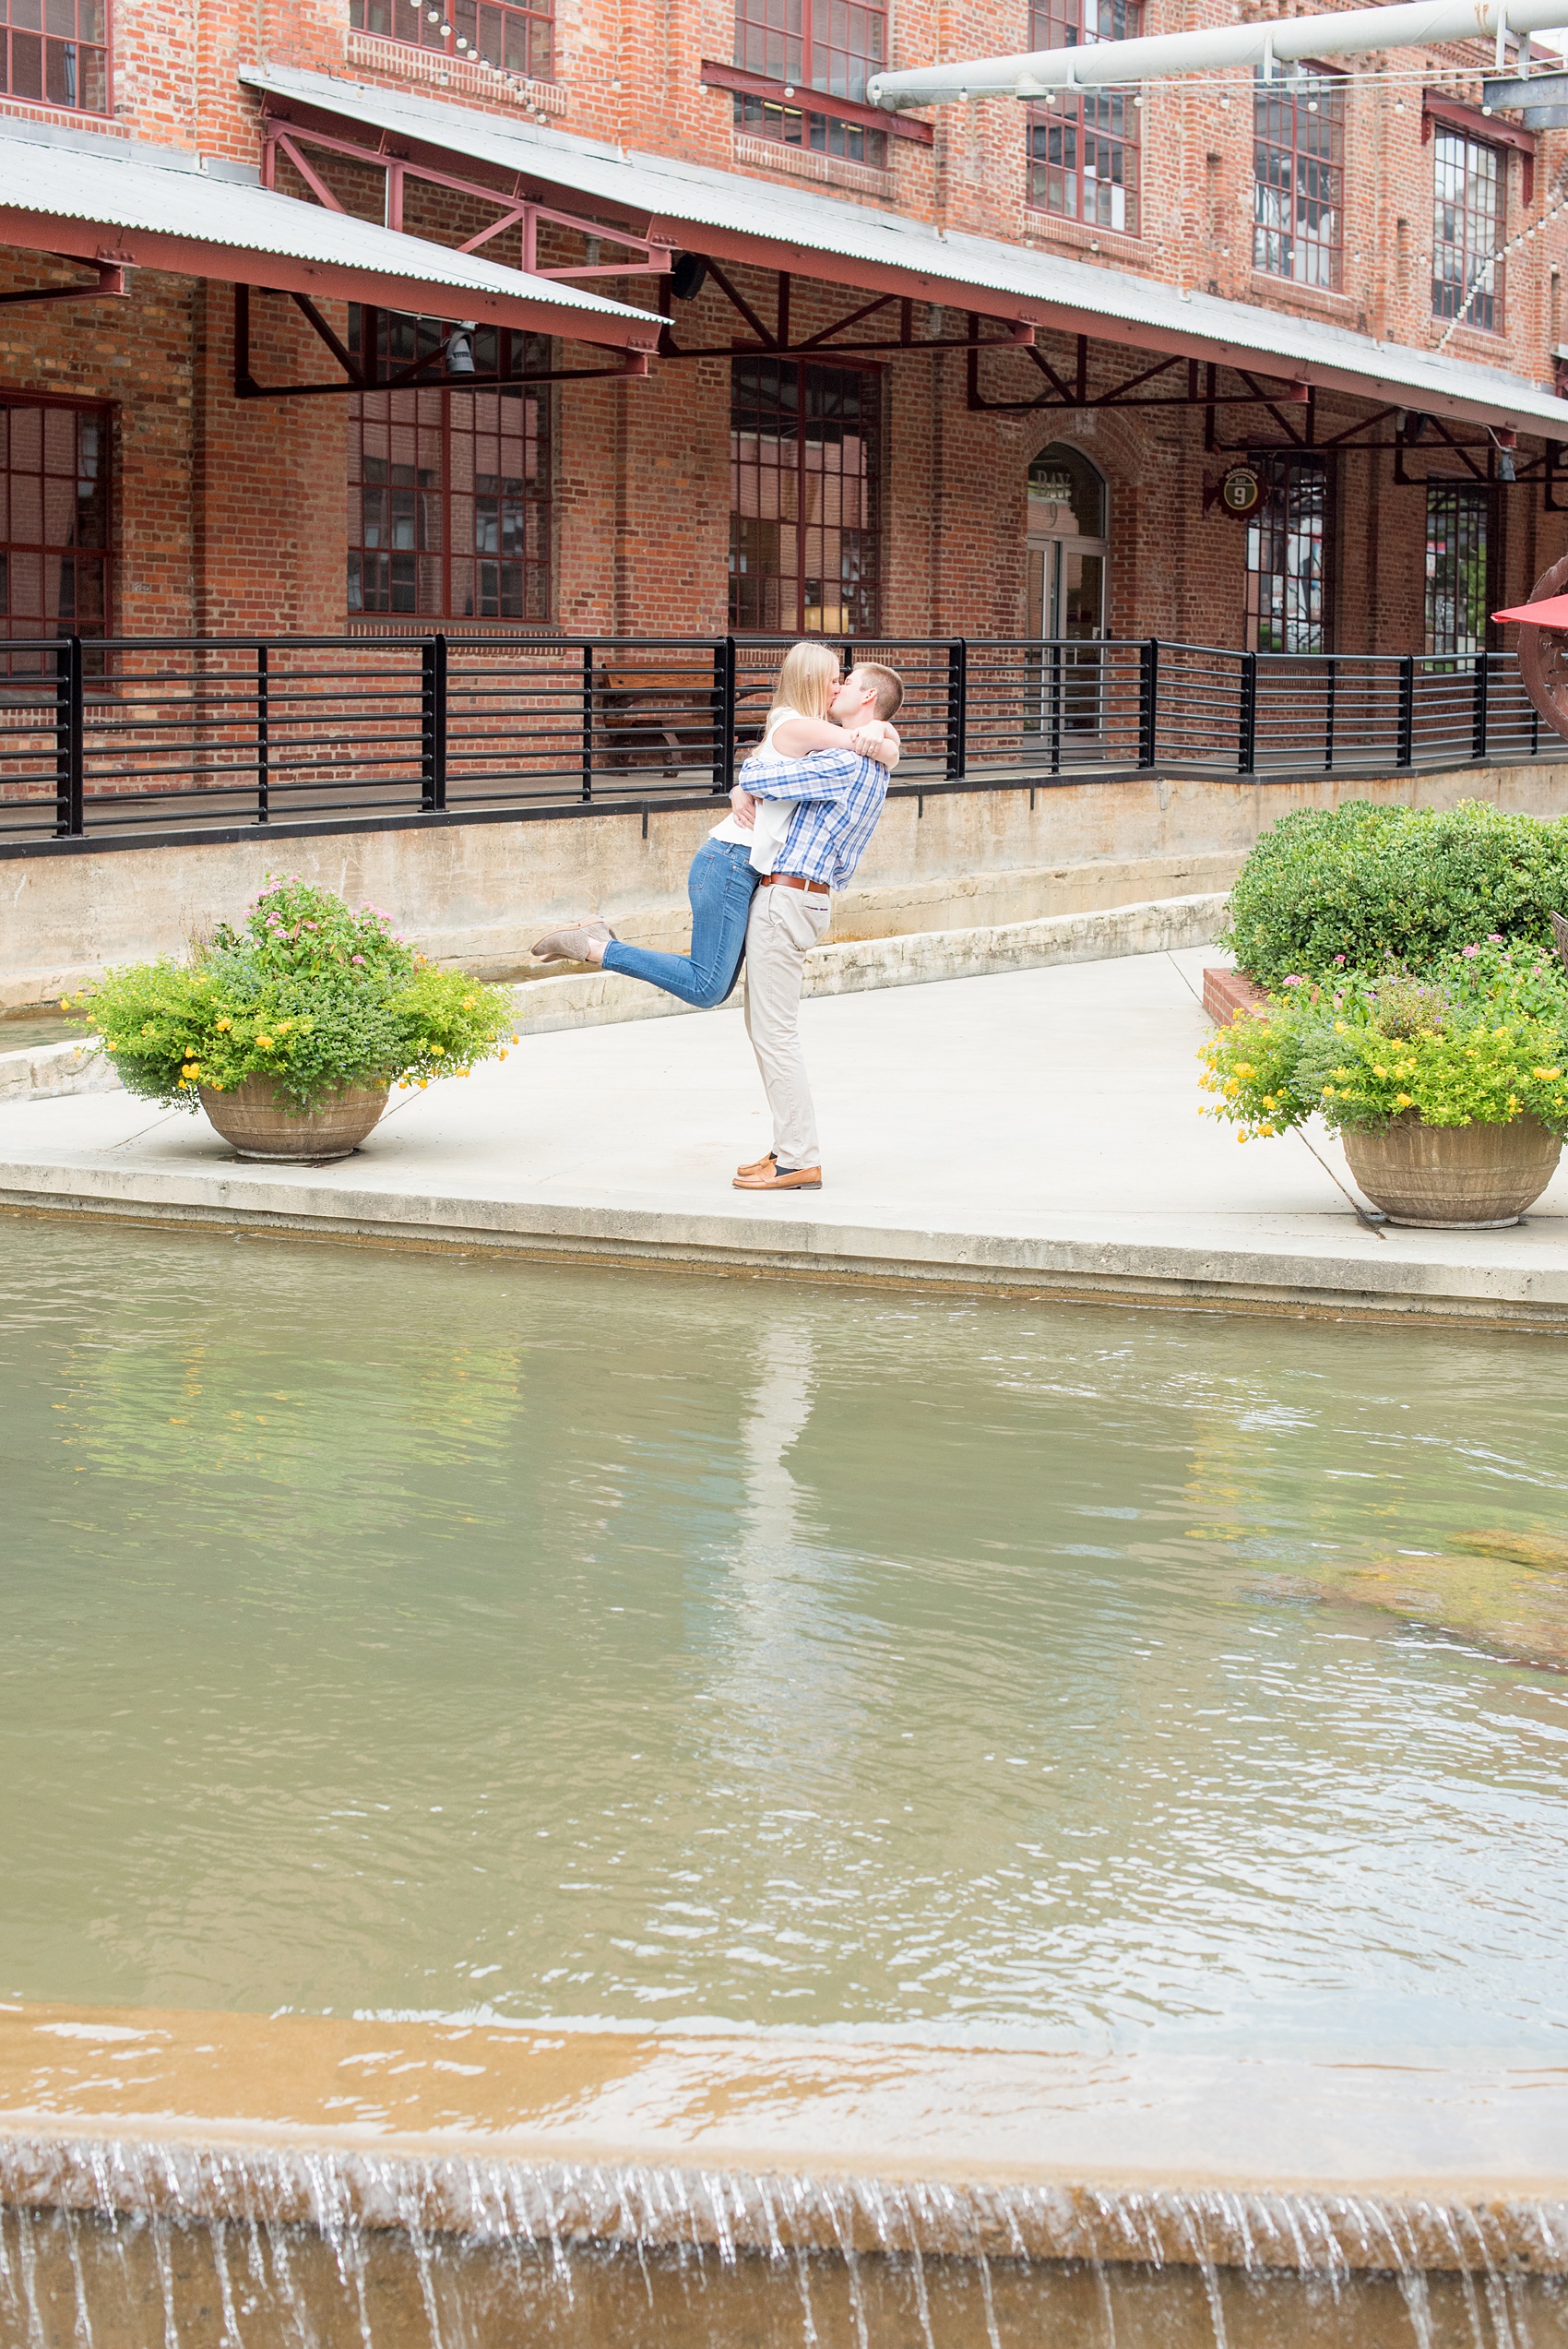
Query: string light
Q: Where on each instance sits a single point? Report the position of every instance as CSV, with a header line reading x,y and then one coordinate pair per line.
x,y
1522,236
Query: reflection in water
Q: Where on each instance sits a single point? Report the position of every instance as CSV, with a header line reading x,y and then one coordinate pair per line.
x,y
391,1633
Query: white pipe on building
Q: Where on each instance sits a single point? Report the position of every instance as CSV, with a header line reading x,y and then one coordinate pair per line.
x,y
1409,24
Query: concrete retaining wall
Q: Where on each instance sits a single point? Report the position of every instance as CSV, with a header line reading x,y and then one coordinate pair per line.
x,y
480,893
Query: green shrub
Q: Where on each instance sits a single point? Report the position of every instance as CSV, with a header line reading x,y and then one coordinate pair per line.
x,y
308,993
1478,1038
1362,886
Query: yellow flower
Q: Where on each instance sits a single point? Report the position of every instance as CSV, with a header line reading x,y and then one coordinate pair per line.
x,y
1342,1073
516,1039
1340,1028
468,1002
284,1026
221,1024
1265,1129
423,1082
1328,1093
264,1044
1246,1069
438,1050
1546,1074
1405,1101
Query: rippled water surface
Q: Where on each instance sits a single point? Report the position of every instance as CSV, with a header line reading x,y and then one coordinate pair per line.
x,y
390,1632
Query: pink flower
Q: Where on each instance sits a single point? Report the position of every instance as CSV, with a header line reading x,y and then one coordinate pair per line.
x,y
1339,962
1295,983
1469,952
356,958
1494,937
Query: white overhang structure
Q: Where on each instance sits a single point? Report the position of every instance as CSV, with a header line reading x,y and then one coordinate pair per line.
x,y
1042,73
115,205
729,217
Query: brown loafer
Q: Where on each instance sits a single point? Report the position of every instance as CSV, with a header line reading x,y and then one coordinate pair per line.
x,y
772,1178
760,1165
572,945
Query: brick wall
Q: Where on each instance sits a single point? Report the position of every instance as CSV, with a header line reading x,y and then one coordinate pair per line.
x,y
231,514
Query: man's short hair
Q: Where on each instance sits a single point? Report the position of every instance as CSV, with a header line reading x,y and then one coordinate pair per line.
x,y
887,684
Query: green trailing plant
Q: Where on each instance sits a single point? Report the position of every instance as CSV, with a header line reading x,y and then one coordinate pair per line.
x,y
1363,887
307,992
1478,1038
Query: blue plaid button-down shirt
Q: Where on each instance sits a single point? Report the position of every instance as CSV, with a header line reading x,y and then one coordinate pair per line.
x,y
841,795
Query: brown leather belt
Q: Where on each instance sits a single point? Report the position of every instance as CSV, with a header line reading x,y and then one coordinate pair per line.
x,y
795,881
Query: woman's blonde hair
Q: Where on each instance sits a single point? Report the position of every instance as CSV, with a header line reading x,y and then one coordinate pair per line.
x,y
808,678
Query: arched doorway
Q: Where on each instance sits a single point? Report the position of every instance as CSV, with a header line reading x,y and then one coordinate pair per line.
x,y
1069,546
1068,560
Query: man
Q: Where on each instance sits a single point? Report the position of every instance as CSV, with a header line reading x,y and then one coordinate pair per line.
x,y
790,912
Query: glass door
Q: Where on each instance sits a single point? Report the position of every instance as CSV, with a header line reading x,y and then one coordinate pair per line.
x,y
1067,561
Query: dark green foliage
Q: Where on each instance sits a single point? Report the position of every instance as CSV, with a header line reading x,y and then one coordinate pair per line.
x,y
1357,886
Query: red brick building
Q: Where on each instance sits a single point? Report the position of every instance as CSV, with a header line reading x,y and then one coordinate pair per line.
x,y
982,372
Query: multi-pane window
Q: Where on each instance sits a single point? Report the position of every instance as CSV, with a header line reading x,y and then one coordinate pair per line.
x,y
1299,174
803,475
53,521
1456,568
511,39
1083,147
56,51
1468,189
833,45
1288,552
450,490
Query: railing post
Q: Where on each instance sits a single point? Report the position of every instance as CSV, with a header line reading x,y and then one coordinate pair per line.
x,y
432,661
1056,709
1479,710
957,707
68,822
1330,699
263,736
724,714
1405,754
1247,717
588,722
1149,700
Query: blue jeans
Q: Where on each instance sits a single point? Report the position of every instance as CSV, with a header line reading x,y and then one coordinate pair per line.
x,y
721,885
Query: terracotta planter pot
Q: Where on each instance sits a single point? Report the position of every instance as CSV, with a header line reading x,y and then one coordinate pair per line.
x,y
1467,1179
261,1122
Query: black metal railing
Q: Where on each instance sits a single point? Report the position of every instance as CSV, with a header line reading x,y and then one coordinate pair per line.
x,y
142,738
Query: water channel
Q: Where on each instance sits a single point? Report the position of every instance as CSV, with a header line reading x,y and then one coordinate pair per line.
x,y
410,1637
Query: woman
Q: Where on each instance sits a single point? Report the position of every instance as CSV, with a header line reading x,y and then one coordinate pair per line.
x,y
723,879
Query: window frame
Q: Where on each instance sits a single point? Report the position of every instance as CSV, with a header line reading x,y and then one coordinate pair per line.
x,y
1108,119
49,42
429,406
1481,501
1277,467
536,18
1300,81
1446,303
871,420
764,48
104,413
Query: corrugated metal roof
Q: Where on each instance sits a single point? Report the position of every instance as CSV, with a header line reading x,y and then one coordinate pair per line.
x,y
123,191
789,225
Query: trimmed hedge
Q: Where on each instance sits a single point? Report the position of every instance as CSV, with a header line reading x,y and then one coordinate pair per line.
x,y
1360,886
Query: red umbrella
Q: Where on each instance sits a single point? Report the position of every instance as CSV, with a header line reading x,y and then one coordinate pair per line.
x,y
1550,613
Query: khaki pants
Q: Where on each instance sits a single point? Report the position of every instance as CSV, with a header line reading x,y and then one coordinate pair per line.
x,y
785,925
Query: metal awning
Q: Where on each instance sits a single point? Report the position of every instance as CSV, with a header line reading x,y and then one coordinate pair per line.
x,y
728,217
111,202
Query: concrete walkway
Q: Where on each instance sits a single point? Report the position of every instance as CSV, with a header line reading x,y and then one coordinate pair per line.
x,y
1036,1129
